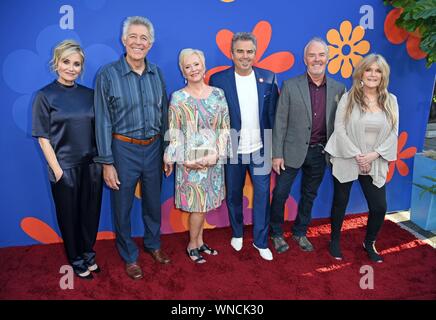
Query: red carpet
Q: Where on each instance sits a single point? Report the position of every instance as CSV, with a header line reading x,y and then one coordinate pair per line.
x,y
409,270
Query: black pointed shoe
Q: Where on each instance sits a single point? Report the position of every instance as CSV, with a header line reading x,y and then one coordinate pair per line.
x,y
369,247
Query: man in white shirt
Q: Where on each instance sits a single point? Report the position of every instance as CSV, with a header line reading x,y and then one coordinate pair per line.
x,y
252,95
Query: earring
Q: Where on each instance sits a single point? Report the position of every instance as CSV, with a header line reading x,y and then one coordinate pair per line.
x,y
361,83
186,81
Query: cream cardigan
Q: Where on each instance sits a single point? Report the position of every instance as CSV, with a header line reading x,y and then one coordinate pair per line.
x,y
348,141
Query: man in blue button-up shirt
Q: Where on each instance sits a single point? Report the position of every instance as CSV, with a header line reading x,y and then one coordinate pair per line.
x,y
131,120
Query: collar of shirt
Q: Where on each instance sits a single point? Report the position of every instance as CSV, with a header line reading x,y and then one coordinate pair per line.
x,y
311,81
126,68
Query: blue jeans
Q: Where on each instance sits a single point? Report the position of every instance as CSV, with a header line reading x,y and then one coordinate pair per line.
x,y
313,172
144,163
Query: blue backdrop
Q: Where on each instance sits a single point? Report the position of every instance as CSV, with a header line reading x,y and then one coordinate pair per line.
x,y
30,30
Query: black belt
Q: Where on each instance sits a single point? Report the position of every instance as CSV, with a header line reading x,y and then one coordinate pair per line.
x,y
316,145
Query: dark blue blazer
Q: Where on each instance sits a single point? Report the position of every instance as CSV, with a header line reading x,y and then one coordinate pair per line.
x,y
268,93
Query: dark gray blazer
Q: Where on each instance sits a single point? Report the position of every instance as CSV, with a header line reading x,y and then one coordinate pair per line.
x,y
293,121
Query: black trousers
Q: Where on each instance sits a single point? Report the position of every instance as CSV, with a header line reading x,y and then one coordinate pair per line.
x,y
313,172
375,197
77,198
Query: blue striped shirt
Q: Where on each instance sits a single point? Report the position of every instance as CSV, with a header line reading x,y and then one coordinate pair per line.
x,y
129,104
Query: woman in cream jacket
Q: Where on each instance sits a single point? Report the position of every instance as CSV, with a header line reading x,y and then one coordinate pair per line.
x,y
363,142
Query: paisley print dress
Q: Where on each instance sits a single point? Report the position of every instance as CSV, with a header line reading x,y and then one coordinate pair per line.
x,y
198,127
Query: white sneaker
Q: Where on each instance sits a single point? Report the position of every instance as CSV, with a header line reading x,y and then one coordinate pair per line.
x,y
265,253
236,243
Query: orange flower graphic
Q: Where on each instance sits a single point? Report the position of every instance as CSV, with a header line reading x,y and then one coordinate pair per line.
x,y
346,49
43,233
277,62
179,220
402,167
397,35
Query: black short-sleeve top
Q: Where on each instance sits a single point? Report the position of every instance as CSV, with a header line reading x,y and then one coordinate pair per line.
x,y
65,116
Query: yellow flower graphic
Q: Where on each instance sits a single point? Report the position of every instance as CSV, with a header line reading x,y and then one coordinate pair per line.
x,y
346,48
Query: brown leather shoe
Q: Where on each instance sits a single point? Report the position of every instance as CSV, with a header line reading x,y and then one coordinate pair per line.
x,y
159,256
134,271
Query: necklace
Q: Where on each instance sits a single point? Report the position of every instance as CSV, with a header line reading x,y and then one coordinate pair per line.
x,y
372,105
370,102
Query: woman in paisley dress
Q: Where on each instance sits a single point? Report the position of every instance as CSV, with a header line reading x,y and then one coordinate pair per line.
x,y
199,144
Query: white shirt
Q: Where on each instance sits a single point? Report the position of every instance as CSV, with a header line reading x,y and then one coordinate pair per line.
x,y
246,88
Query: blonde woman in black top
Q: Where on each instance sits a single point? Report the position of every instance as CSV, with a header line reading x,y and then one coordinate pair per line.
x,y
63,122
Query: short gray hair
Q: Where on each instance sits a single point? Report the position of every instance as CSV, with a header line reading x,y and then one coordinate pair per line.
x,y
319,40
188,52
138,20
244,36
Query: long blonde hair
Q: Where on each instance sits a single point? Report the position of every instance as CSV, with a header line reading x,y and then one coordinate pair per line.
x,y
356,95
